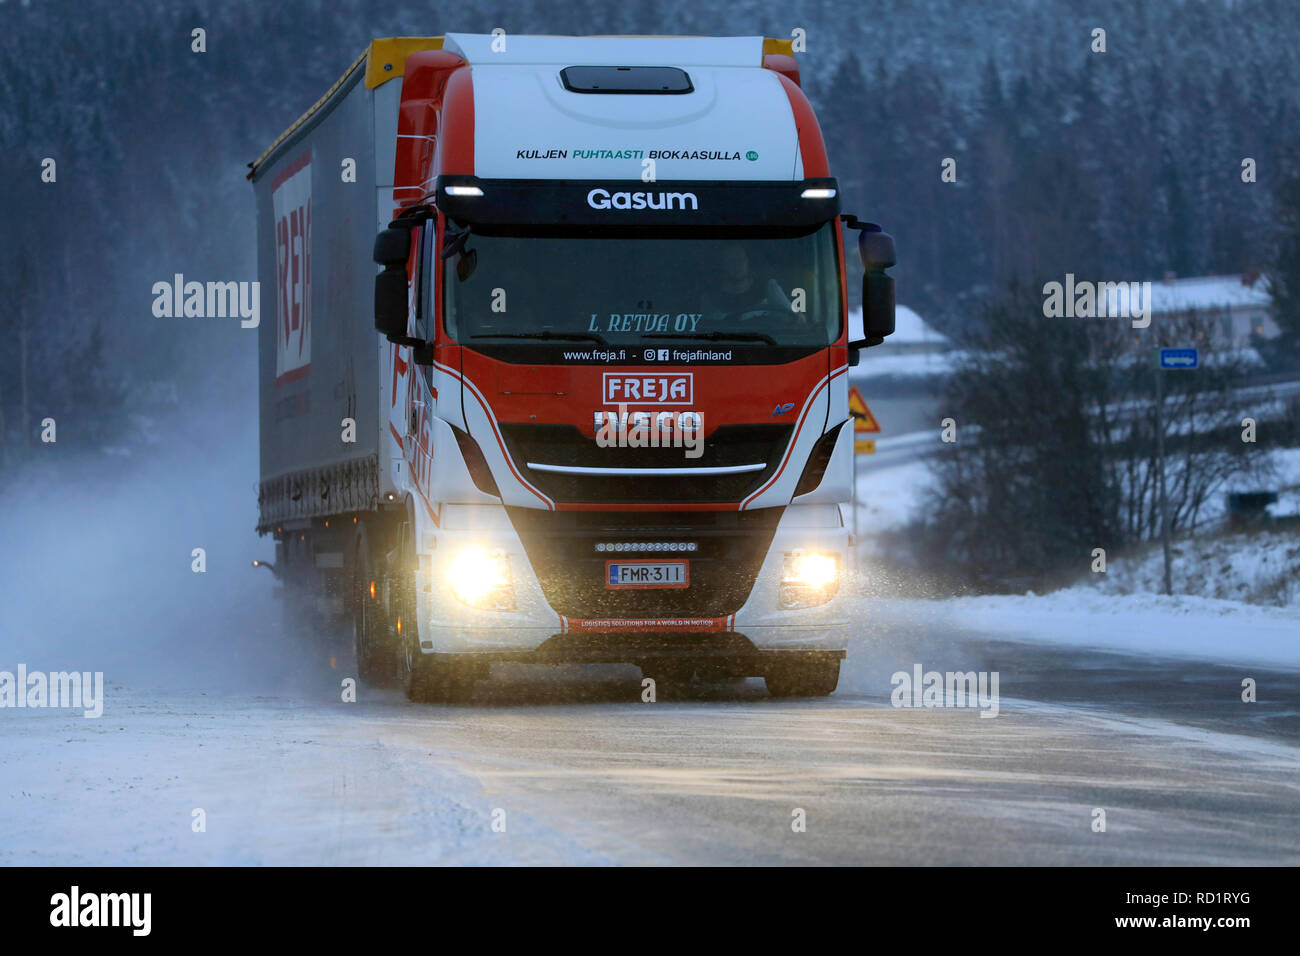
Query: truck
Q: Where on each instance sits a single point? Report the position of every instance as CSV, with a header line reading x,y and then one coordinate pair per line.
x,y
558,365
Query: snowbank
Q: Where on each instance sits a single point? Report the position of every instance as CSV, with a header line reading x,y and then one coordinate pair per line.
x,y
1262,567
1180,626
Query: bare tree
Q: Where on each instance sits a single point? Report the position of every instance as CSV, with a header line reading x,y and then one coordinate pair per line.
x,y
1057,451
1200,413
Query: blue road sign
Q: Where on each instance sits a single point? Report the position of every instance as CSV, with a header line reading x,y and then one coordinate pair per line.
x,y
1179,358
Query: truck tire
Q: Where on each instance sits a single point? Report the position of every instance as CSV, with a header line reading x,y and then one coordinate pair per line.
x,y
816,679
672,678
436,680
371,642
731,675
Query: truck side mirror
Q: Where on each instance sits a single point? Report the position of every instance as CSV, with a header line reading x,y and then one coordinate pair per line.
x,y
393,247
877,250
392,250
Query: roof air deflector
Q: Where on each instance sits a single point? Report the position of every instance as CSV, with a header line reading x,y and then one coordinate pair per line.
x,y
626,79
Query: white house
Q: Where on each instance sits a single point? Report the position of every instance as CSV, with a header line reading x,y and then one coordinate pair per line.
x,y
1238,305
912,336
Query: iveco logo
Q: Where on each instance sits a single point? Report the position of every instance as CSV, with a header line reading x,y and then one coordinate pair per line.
x,y
604,199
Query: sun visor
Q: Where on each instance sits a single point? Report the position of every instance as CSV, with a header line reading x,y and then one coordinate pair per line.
x,y
621,203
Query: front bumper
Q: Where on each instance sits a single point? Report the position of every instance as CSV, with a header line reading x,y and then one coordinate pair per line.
x,y
534,630
727,648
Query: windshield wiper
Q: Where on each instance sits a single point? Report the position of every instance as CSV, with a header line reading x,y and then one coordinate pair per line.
x,y
714,336
544,334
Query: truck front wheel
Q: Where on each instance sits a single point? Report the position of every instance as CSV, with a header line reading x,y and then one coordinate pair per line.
x,y
435,679
803,679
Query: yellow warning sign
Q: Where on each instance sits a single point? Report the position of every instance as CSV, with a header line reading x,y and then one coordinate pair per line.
x,y
863,422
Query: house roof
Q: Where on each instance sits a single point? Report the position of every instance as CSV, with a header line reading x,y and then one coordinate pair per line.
x,y
909,328
1203,293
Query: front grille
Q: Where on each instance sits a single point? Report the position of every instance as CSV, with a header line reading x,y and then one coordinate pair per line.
x,y
561,546
566,445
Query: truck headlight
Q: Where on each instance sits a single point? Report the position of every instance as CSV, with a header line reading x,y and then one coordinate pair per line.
x,y
809,578
481,578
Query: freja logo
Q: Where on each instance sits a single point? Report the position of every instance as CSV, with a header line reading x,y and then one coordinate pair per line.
x,y
604,199
661,389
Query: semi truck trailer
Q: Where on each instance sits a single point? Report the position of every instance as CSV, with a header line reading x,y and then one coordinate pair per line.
x,y
558,365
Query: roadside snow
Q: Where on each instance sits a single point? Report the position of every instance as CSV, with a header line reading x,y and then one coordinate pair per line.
x,y
889,498
1180,626
1261,567
1256,566
1286,468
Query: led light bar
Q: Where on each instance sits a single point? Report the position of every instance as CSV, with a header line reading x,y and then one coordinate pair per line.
x,y
643,546
817,194
464,191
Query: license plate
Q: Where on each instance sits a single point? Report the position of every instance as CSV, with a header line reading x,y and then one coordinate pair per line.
x,y
647,574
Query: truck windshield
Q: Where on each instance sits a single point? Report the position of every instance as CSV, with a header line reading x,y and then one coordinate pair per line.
x,y
742,291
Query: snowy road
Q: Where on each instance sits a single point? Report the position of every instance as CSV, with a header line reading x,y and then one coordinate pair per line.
x,y
587,773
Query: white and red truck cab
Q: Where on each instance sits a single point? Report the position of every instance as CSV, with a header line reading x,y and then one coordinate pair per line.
x,y
606,417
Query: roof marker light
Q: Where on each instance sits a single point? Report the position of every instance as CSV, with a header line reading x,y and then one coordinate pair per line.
x,y
464,191
817,194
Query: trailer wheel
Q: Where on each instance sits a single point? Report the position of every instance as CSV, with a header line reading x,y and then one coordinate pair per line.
x,y
297,613
803,679
370,642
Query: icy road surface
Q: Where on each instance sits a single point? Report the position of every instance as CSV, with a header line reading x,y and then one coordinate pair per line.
x,y
582,772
